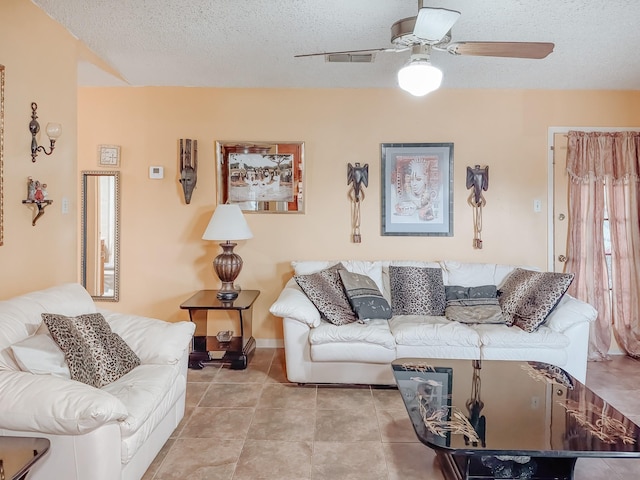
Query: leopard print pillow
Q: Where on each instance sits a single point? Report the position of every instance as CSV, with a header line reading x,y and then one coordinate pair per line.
x,y
95,355
527,297
417,291
325,290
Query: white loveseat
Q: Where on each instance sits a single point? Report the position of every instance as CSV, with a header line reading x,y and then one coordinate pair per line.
x,y
320,352
107,433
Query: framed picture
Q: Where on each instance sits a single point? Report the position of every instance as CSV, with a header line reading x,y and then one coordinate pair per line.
x,y
109,156
264,177
417,189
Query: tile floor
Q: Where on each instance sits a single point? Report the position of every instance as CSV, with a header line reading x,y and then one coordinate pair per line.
x,y
253,424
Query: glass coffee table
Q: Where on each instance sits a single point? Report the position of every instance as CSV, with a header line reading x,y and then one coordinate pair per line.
x,y
494,419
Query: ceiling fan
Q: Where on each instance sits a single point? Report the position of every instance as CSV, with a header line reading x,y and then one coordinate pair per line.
x,y
431,30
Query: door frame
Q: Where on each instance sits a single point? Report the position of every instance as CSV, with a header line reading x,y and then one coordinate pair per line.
x,y
551,131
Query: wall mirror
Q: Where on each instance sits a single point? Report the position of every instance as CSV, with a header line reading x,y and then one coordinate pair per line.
x,y
101,234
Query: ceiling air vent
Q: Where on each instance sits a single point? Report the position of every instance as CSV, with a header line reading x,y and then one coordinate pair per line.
x,y
350,57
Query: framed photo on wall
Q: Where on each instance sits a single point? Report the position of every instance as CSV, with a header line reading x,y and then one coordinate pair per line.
x,y
263,177
417,189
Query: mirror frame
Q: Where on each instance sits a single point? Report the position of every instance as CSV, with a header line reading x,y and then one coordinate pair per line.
x,y
1,153
116,243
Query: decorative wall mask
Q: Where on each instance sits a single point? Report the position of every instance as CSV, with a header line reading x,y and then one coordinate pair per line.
x,y
478,181
356,177
188,166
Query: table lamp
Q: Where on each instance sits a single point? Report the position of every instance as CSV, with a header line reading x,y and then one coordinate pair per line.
x,y
227,223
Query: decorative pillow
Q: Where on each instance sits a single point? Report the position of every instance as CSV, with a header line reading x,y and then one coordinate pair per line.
x,y
527,297
40,355
325,290
364,296
473,304
416,291
95,355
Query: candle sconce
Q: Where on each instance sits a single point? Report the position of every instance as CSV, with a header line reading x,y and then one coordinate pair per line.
x,y
37,195
54,130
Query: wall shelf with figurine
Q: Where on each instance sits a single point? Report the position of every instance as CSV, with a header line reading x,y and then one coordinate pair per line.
x,y
37,196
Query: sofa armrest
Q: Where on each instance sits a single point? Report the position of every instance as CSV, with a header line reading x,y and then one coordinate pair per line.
x,y
154,341
54,405
569,312
293,303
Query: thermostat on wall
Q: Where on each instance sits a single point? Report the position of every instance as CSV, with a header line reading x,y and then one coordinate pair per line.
x,y
156,172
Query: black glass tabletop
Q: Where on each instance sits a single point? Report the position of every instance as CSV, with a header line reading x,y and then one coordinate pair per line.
x,y
471,407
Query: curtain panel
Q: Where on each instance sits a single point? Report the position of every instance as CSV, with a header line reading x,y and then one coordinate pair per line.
x,y
604,171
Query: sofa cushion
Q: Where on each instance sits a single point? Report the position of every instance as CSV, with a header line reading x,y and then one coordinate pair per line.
x,y
40,355
504,336
431,330
416,291
95,355
364,296
474,274
325,290
374,332
527,297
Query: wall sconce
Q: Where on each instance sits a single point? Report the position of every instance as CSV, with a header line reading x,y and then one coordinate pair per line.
x,y
477,182
53,132
357,176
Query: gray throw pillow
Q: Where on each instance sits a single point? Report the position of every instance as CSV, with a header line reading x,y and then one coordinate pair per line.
x,y
364,296
324,289
416,291
473,305
527,297
95,355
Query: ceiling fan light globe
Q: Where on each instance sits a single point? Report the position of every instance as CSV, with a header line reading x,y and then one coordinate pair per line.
x,y
419,78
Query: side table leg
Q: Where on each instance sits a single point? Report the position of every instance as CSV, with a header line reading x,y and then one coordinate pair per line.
x,y
239,361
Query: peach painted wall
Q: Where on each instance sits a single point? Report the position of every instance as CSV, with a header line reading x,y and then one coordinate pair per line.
x,y
164,259
40,65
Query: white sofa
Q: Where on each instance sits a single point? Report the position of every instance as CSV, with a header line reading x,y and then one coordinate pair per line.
x,y
319,352
110,433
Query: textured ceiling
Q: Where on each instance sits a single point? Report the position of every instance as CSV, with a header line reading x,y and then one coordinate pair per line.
x,y
252,43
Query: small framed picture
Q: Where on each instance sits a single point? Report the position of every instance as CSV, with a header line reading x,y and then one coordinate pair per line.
x,y
109,156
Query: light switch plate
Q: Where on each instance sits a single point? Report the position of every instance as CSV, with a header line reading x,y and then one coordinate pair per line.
x,y
156,172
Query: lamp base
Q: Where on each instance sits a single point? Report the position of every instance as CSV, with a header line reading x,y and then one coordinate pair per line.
x,y
227,266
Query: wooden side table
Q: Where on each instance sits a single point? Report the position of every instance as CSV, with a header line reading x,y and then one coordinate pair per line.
x,y
18,454
239,349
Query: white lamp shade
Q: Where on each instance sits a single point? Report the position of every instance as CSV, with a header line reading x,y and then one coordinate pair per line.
x,y
227,223
419,77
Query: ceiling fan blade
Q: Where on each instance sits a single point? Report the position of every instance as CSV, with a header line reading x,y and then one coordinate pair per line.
x,y
432,24
345,52
502,49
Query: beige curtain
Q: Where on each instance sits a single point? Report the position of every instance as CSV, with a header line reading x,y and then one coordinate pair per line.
x,y
603,168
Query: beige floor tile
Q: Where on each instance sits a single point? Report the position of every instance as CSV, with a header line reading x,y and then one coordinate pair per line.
x,y
334,398
395,426
206,374
155,465
257,373
218,423
387,399
348,461
287,396
594,469
409,461
283,424
253,424
271,460
346,425
195,459
231,395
